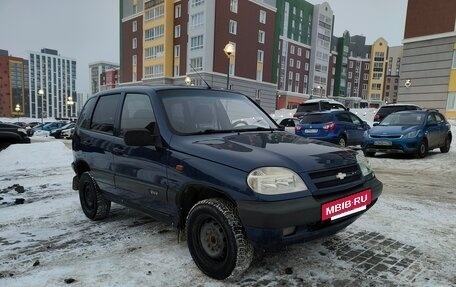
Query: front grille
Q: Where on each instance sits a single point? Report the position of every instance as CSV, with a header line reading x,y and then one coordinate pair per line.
x,y
385,136
332,177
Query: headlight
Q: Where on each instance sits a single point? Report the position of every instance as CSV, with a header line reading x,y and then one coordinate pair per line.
x,y
275,180
363,164
411,134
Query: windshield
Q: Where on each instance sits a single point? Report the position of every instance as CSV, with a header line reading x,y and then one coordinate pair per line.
x,y
403,119
206,111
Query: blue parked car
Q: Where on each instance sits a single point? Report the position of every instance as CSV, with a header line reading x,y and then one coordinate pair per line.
x,y
340,127
414,132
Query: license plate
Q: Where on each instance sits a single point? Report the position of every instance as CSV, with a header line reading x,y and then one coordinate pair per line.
x,y
347,205
311,131
383,143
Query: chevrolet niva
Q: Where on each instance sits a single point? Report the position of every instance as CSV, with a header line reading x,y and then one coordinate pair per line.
x,y
213,164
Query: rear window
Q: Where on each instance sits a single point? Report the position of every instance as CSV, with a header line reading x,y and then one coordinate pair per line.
x,y
311,107
316,119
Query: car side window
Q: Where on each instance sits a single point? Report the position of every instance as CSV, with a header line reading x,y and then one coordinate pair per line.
x,y
104,113
355,119
137,113
343,117
84,117
431,119
439,118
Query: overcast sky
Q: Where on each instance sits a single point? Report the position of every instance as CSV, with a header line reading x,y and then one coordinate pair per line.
x,y
88,30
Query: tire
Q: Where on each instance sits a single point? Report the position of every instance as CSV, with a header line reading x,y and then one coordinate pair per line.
x,y
224,251
446,147
369,153
422,149
93,204
342,141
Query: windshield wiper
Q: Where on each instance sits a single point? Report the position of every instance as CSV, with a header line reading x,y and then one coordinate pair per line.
x,y
257,129
211,131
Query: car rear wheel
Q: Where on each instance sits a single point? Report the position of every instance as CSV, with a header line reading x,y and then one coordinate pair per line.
x,y
93,204
342,141
446,147
422,149
216,239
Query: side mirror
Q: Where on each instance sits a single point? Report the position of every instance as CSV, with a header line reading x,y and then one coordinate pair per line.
x,y
139,137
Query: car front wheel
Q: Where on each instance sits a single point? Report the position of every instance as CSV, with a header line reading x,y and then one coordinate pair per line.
x,y
216,239
93,204
422,149
342,141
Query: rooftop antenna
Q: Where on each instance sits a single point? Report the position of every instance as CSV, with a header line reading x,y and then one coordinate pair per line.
x,y
199,75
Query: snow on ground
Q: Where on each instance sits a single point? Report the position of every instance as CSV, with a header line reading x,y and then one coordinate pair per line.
x,y
408,238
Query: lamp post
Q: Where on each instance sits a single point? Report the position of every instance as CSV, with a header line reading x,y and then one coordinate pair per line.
x,y
70,103
188,80
41,93
18,109
229,51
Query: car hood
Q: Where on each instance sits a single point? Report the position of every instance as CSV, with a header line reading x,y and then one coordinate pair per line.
x,y
391,130
249,150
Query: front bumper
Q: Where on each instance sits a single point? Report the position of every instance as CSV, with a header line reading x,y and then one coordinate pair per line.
x,y
397,145
265,222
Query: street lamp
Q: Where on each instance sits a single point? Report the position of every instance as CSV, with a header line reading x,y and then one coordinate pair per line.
x,y
229,51
18,109
70,103
41,93
188,80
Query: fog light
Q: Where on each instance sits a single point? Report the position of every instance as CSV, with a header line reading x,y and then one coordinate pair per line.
x,y
288,230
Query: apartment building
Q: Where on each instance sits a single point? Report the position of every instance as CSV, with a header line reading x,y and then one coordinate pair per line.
x,y
428,64
392,74
13,86
55,75
187,38
109,79
96,71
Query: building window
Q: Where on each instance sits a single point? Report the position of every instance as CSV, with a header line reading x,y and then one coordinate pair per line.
x,y
176,70
259,75
154,33
299,51
291,63
177,31
366,66
197,2
196,42
260,56
134,43
177,51
307,54
350,75
298,64
365,77
154,52
306,66
155,13
234,6
262,17
196,63
153,71
454,60
451,102
261,36
134,60
233,27
197,20
135,26
351,64
292,49
177,11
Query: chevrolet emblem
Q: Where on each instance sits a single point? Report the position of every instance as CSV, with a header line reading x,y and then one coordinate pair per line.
x,y
341,175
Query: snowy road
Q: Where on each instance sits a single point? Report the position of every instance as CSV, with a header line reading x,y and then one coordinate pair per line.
x,y
408,238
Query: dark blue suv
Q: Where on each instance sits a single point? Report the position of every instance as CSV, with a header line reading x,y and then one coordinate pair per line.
x,y
340,127
213,163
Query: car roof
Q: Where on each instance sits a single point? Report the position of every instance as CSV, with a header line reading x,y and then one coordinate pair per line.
x,y
322,100
148,88
400,105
